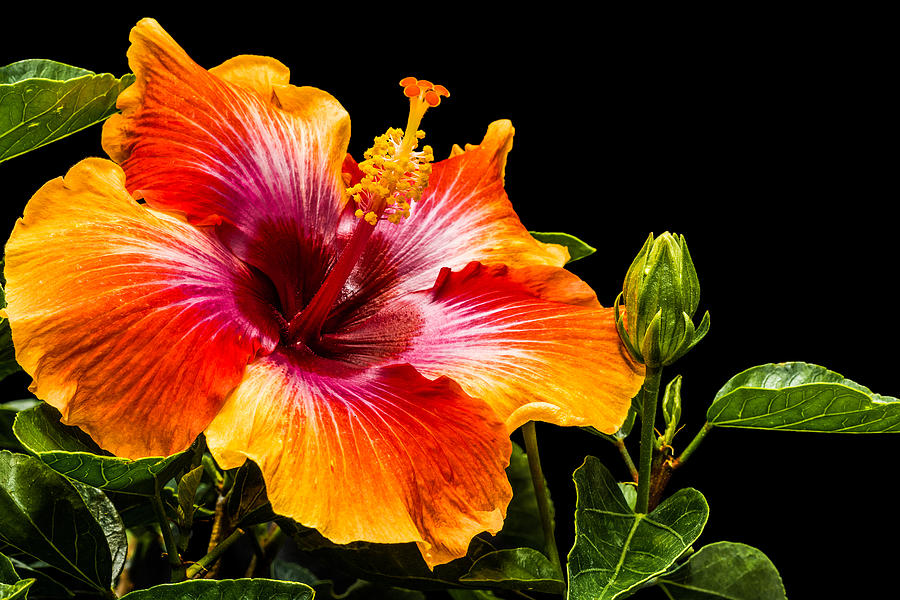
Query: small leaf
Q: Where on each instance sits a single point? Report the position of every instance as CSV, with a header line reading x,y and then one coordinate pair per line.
x,y
71,452
616,549
247,503
516,569
187,491
799,396
577,248
12,587
8,412
225,589
43,515
42,101
725,571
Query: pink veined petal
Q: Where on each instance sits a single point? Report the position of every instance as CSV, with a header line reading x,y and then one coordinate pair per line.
x,y
532,342
135,325
381,454
218,153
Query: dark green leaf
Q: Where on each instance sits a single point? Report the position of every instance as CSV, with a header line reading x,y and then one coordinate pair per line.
x,y
42,101
8,364
225,589
70,451
516,569
616,549
12,587
472,595
522,525
8,412
44,516
725,571
798,396
247,503
577,248
109,520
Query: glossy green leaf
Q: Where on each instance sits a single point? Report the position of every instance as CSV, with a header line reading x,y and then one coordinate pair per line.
x,y
187,492
225,589
12,587
577,248
725,571
516,569
70,451
799,396
43,515
616,550
42,101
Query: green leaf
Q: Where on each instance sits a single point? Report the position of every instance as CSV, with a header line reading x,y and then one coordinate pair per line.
x,y
516,569
225,589
43,515
12,587
106,515
187,491
472,595
798,396
247,503
42,101
8,364
8,412
725,571
577,248
70,451
616,550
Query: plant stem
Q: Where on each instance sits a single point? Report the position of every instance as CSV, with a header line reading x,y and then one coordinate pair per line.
x,y
687,452
620,444
649,401
168,540
540,491
202,565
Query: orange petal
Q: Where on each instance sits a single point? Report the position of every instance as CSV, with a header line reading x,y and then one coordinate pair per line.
x,y
219,152
465,215
382,455
132,323
531,342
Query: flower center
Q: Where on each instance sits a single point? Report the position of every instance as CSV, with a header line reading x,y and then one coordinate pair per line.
x,y
395,175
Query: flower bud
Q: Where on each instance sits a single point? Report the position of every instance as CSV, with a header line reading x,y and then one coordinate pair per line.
x,y
661,293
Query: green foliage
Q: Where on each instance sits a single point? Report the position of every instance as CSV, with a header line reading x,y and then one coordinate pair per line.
x,y
71,452
724,571
516,569
577,248
798,396
8,364
12,587
43,515
225,589
616,550
42,101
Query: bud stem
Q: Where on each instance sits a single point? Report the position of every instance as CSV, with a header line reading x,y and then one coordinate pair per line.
x,y
687,452
649,401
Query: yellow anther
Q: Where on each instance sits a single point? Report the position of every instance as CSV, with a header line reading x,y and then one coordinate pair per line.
x,y
395,174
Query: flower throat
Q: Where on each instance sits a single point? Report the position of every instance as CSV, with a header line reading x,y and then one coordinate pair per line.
x,y
395,175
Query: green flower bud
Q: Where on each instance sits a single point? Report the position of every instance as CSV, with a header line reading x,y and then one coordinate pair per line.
x,y
661,294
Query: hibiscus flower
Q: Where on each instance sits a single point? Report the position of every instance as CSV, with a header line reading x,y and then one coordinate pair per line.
x,y
371,349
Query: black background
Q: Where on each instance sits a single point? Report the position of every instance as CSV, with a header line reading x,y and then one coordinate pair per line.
x,y
763,137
